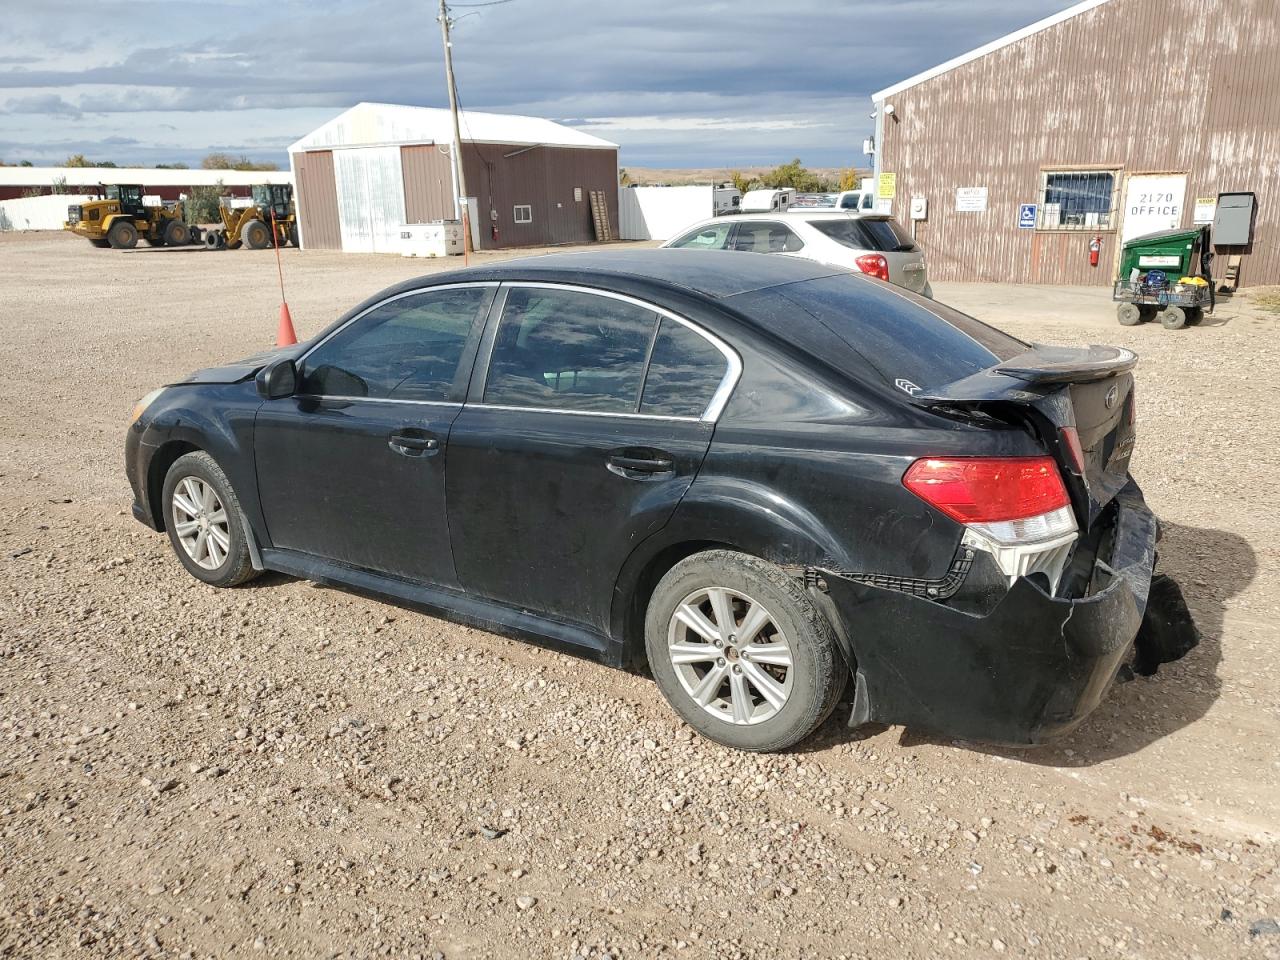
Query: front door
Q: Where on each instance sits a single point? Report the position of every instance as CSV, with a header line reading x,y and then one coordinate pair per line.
x,y
582,431
351,468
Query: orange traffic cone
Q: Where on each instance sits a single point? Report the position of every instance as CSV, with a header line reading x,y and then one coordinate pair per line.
x,y
284,333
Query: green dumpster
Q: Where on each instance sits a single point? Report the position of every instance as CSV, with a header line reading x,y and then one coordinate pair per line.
x,y
1165,276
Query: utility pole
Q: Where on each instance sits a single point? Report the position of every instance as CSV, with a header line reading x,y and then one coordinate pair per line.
x,y
459,179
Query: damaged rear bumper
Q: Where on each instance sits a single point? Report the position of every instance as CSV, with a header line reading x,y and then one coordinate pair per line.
x,y
1028,671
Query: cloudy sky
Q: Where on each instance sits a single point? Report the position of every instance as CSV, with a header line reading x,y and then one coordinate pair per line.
x,y
675,83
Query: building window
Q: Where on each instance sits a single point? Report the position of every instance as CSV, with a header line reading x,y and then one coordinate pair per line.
x,y
1077,200
523,213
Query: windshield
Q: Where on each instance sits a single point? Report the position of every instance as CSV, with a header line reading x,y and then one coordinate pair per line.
x,y
113,192
884,236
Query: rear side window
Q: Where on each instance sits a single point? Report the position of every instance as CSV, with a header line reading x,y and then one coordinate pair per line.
x,y
714,236
882,236
407,348
566,349
758,236
685,371
905,338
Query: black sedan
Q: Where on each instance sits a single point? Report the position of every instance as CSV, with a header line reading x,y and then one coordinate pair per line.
x,y
759,475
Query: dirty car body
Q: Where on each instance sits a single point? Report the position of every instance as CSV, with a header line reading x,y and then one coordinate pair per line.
x,y
838,409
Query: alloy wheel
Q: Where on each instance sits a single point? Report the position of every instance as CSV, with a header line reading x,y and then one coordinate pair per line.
x,y
730,656
200,522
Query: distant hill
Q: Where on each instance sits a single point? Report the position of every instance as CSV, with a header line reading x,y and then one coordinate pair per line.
x,y
678,176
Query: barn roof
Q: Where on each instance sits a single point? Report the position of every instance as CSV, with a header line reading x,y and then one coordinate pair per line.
x,y
367,124
987,48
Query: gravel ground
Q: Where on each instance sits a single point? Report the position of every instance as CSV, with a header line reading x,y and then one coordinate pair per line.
x,y
288,770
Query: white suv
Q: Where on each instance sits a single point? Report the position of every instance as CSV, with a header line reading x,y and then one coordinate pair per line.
x,y
872,244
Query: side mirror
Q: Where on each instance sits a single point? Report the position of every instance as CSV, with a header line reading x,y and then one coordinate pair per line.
x,y
277,379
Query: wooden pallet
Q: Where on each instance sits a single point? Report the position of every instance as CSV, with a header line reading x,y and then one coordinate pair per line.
x,y
600,216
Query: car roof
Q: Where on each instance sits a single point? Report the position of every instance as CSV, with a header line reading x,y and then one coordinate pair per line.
x,y
711,273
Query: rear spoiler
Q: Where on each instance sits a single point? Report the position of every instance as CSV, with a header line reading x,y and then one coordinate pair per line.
x,y
1031,375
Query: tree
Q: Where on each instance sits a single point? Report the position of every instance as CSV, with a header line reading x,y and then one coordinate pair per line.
x,y
26,163
624,178
797,177
224,161
741,181
77,160
171,166
202,204
849,179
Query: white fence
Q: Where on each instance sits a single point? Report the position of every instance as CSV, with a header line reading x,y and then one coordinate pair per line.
x,y
38,213
660,213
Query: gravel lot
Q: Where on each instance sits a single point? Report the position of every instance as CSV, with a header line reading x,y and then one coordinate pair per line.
x,y
288,770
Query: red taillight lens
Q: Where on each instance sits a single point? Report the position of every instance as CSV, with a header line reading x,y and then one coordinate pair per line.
x,y
873,265
1071,437
988,489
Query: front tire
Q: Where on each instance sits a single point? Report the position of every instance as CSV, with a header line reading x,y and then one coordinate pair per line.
x,y
741,653
205,523
122,235
255,235
1173,318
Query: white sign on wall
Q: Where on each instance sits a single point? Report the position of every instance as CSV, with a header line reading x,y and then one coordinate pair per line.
x,y
971,199
1153,202
1206,207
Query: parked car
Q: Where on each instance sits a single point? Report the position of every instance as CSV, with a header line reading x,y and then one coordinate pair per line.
x,y
756,474
872,244
864,200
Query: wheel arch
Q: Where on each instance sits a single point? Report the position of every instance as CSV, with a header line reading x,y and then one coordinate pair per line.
x,y
717,515
164,458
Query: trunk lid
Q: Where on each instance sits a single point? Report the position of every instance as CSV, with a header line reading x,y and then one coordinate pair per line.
x,y
1078,401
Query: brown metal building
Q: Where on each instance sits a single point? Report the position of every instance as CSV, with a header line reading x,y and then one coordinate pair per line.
x,y
1111,119
376,167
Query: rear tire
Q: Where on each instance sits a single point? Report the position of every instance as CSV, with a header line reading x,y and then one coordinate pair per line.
x,y
205,523
122,235
1173,318
176,234
1194,316
101,243
256,235
1129,314
293,235
742,693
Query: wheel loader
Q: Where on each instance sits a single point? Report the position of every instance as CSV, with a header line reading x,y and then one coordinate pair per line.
x,y
119,217
251,226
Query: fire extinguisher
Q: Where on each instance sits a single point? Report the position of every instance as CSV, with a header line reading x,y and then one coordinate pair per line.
x,y
493,231
1095,248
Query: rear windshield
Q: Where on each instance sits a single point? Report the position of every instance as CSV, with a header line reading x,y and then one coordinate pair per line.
x,y
883,236
912,342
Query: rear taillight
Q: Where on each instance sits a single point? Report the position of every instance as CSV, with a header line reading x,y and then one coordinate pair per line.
x,y
988,489
1071,438
1014,508
873,265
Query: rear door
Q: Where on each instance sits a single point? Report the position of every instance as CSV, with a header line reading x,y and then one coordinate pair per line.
x,y
587,420
351,468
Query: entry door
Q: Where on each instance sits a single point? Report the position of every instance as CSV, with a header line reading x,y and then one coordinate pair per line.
x,y
588,424
1153,202
352,468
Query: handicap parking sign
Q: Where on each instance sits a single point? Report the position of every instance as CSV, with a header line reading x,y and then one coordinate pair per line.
x,y
1027,216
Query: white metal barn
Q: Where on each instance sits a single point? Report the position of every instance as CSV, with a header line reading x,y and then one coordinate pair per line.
x,y
377,166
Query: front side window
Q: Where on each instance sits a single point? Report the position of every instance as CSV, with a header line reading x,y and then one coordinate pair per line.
x,y
568,349
407,348
1077,200
714,236
685,370
766,237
